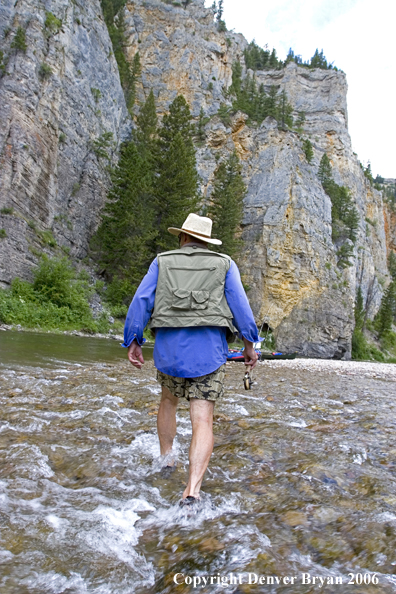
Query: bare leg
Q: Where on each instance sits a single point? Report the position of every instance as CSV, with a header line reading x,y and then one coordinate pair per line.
x,y
201,413
166,421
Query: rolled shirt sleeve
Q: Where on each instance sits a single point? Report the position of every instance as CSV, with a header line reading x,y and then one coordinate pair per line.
x,y
139,311
239,305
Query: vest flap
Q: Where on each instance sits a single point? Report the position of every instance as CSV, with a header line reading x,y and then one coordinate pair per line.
x,y
200,296
181,293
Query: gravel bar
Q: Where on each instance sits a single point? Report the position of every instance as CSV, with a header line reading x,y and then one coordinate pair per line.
x,y
372,369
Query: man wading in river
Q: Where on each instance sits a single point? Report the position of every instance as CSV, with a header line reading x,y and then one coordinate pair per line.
x,y
197,296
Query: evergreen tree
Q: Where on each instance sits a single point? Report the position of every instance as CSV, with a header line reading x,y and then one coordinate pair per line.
x,y
177,179
324,173
300,120
123,243
227,204
319,61
285,111
255,102
387,311
256,58
290,56
236,85
392,264
219,12
359,310
271,103
344,215
200,128
147,123
273,61
221,26
308,150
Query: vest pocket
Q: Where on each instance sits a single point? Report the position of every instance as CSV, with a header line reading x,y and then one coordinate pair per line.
x,y
200,299
181,299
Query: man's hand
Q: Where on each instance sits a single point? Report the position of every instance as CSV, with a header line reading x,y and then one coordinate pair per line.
x,y
251,357
135,355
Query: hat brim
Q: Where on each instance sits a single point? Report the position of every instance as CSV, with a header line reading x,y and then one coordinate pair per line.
x,y
175,231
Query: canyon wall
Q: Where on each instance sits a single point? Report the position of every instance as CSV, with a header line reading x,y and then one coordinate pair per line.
x,y
53,179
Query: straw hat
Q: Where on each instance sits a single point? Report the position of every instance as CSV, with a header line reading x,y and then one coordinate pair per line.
x,y
200,227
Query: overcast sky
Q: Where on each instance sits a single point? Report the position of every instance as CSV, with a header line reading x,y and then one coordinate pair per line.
x,y
358,36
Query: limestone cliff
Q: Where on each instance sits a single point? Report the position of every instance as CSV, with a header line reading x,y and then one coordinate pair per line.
x,y
56,100
289,261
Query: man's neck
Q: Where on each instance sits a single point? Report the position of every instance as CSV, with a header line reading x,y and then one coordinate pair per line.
x,y
195,244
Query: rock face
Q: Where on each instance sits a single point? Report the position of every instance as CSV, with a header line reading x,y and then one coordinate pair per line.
x,y
56,100
51,175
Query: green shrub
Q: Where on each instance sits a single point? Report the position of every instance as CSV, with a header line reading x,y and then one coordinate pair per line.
x,y
62,137
119,311
3,233
52,23
2,65
19,41
47,238
7,210
55,299
45,71
362,350
96,94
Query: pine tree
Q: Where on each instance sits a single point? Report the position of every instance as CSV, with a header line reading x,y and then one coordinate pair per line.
x,y
227,204
176,185
319,61
359,310
392,264
344,215
290,56
308,150
271,103
324,173
273,61
200,127
300,120
147,123
123,243
387,311
285,111
220,9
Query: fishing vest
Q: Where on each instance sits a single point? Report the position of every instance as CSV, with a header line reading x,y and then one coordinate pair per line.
x,y
190,289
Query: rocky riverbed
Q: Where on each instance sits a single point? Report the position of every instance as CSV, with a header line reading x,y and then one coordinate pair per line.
x,y
302,481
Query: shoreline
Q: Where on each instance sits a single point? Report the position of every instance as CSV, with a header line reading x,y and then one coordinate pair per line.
x,y
351,367
19,328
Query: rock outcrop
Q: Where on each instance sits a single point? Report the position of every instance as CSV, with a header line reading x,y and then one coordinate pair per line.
x,y
50,174
56,100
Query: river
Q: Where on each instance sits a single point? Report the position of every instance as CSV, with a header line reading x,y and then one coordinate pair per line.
x,y
301,484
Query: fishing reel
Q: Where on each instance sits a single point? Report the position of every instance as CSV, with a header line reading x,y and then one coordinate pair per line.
x,y
247,381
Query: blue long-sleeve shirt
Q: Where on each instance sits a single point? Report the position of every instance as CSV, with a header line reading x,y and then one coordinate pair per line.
x,y
189,352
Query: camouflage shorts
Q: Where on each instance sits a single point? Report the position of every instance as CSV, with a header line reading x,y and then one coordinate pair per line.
x,y
205,387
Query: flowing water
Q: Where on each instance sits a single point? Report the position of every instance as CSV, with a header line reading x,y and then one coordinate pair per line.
x,y
301,483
